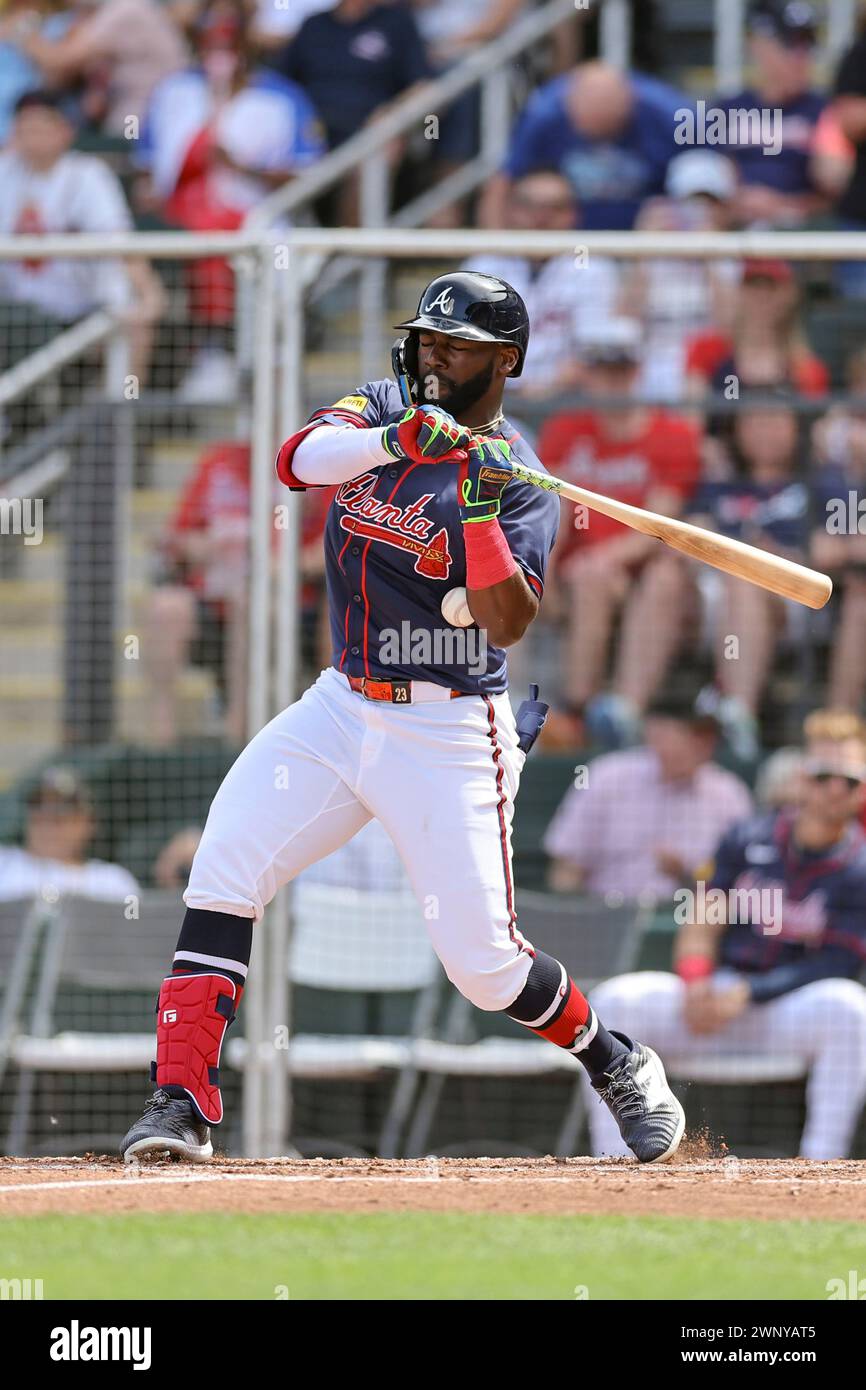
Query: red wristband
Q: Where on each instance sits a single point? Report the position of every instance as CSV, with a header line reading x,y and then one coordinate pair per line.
x,y
488,558
692,968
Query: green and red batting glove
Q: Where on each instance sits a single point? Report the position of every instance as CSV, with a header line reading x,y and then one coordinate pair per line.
x,y
483,478
426,434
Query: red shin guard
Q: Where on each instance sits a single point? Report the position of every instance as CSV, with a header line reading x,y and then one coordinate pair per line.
x,y
570,1025
191,1019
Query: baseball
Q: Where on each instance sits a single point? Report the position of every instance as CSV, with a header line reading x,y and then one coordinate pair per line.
x,y
455,609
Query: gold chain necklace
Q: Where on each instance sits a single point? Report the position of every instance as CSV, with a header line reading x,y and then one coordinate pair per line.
x,y
490,426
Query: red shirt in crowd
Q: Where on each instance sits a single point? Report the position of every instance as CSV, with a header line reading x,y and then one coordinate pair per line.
x,y
575,445
218,494
708,352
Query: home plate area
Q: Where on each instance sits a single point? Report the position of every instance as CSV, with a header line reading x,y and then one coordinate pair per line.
x,y
766,1189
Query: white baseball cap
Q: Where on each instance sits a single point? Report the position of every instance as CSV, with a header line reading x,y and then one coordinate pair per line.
x,y
701,171
612,341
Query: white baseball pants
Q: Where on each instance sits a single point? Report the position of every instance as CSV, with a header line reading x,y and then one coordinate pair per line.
x,y
441,776
824,1023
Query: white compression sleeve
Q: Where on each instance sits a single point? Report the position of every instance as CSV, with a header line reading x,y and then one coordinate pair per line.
x,y
336,453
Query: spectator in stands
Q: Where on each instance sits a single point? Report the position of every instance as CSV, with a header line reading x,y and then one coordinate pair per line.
x,y
59,826
838,543
825,729
610,133
650,458
641,821
452,30
849,109
120,48
766,345
833,156
771,946
198,611
676,298
18,73
567,297
48,187
776,184
274,23
763,501
353,60
172,865
217,139
779,780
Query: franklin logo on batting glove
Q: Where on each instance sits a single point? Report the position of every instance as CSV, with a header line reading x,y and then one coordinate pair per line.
x,y
484,476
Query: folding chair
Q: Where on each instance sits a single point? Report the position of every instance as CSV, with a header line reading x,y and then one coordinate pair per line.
x,y
91,945
593,940
366,943
738,1069
21,922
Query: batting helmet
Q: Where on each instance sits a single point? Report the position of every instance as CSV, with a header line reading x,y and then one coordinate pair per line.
x,y
468,305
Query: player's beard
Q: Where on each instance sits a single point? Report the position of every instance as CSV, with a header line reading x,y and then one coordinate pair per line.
x,y
456,398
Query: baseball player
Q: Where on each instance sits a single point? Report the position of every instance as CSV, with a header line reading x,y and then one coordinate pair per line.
x,y
408,725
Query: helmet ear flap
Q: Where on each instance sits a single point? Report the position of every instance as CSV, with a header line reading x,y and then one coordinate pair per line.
x,y
410,357
404,362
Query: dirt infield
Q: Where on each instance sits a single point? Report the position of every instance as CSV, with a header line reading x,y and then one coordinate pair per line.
x,y
767,1189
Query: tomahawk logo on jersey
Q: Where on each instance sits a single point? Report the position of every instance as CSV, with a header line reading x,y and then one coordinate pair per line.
x,y
394,547
818,897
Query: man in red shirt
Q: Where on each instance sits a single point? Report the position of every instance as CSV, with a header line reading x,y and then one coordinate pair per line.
x,y
645,456
197,614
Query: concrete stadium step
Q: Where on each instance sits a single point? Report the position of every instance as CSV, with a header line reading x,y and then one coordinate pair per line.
x,y
22,695
31,712
29,601
172,461
19,754
45,563
32,651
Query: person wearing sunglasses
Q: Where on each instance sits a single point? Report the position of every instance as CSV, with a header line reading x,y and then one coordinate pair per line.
x,y
772,947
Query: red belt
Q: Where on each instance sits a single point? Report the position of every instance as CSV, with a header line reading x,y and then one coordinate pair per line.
x,y
393,692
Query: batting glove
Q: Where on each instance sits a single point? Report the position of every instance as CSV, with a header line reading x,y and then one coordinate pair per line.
x,y
426,435
483,478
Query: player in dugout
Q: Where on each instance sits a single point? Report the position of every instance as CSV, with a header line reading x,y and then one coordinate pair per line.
x,y
772,948
429,539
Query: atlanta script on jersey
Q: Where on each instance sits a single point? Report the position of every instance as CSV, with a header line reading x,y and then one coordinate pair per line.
x,y
394,547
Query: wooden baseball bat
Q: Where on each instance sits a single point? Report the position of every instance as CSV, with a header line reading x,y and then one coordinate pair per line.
x,y
749,562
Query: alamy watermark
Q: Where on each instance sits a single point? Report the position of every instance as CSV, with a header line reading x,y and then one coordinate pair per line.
x,y
846,516
737,126
752,905
20,1290
22,516
465,647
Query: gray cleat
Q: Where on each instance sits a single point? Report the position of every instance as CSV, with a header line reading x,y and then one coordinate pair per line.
x,y
650,1118
169,1126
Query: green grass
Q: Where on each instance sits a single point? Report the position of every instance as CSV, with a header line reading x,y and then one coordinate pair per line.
x,y
421,1255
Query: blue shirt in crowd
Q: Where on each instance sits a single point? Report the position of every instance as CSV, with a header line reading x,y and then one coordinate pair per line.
x,y
348,69
785,166
611,178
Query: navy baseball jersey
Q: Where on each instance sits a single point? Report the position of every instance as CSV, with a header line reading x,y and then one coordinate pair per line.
x,y
394,548
818,904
